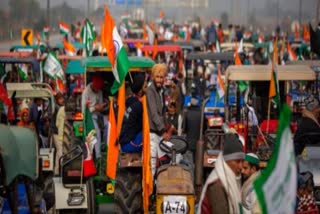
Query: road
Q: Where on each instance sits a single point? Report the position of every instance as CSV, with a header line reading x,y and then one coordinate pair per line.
x,y
6,45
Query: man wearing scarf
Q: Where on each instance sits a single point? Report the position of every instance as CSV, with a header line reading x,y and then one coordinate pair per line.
x,y
250,171
221,192
308,128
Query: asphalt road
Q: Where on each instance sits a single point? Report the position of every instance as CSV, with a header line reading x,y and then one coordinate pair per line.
x,y
6,45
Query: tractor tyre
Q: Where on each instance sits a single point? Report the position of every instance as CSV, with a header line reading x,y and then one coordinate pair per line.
x,y
128,192
68,135
91,196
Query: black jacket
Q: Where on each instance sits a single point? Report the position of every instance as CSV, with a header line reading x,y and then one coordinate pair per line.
x,y
132,121
308,132
191,126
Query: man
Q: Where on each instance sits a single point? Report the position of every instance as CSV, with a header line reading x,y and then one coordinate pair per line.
x,y
57,128
308,131
191,125
221,192
92,96
131,132
156,112
250,171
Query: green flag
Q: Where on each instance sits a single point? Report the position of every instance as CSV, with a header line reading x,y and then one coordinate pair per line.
x,y
88,36
89,130
23,71
276,187
52,66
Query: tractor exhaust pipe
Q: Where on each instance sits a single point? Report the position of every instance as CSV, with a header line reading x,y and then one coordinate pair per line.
x,y
199,156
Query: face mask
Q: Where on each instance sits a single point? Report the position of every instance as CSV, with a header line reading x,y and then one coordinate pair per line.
x,y
39,108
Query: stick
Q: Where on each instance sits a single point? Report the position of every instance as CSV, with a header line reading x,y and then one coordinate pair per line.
x,y
268,116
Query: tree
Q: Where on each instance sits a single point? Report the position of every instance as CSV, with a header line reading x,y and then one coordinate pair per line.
x,y
24,11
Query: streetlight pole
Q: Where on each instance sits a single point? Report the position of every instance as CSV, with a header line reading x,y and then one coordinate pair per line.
x,y
300,9
277,12
48,21
88,8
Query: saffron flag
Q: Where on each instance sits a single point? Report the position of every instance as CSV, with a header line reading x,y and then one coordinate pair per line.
x,y
113,146
144,33
155,49
276,187
116,52
292,55
64,28
69,48
273,89
306,34
147,184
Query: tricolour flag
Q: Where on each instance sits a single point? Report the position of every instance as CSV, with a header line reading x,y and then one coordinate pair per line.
x,y
23,71
147,184
46,30
276,187
116,52
220,85
69,48
292,55
243,85
88,36
64,28
52,66
89,130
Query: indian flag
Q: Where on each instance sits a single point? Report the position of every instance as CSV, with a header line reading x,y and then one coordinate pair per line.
x,y
89,130
23,71
46,29
64,28
69,48
116,52
276,187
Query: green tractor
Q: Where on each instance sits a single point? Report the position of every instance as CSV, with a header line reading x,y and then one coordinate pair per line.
x,y
74,127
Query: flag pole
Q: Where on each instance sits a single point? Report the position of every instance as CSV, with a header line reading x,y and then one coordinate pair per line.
x,y
268,116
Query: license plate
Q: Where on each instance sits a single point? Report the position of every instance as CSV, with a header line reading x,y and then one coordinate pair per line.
x,y
175,204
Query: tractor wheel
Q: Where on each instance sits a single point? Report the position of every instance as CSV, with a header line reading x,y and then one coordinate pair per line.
x,y
68,135
128,192
91,196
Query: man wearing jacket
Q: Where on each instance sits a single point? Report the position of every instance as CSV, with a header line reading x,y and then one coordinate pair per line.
x,y
221,192
156,112
308,128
